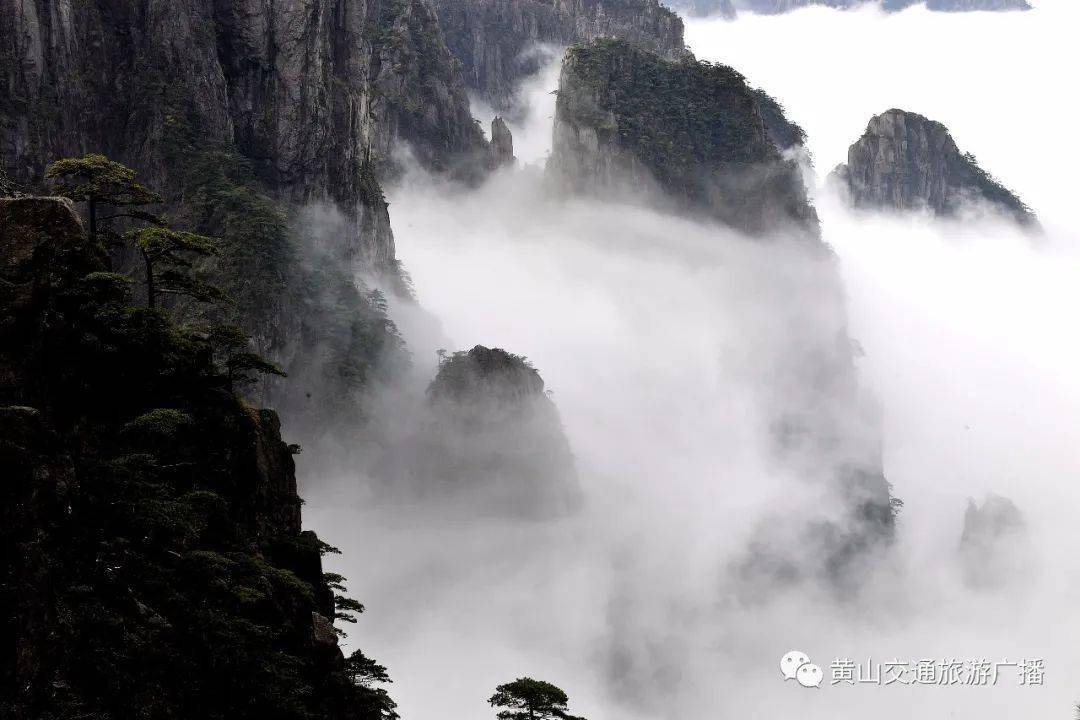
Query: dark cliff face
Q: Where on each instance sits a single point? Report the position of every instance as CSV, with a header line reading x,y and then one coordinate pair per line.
x,y
905,161
502,143
153,553
626,120
308,92
493,38
490,438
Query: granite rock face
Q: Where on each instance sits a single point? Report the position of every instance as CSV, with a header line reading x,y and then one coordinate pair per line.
x,y
905,161
309,92
502,144
628,121
495,40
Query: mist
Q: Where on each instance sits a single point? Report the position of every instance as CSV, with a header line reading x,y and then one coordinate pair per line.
x,y
664,343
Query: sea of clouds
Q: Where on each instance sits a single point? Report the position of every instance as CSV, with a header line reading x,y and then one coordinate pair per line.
x,y
657,334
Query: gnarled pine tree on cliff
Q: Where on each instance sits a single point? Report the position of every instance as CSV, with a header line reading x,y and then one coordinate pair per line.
x,y
153,556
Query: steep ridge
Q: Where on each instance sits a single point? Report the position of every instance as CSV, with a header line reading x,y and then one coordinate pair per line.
x,y
309,93
154,562
495,40
905,161
629,122
270,126
626,119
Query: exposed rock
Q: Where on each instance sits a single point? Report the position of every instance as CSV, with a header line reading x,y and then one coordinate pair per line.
x,y
322,631
906,162
502,144
491,438
309,92
486,376
495,39
993,542
628,121
418,92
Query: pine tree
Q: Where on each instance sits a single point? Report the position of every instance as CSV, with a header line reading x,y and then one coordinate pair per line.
x,y
528,699
97,180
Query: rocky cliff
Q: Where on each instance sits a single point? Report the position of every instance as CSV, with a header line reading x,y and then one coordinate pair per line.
x,y
490,438
698,141
629,121
905,161
310,93
153,559
502,144
495,39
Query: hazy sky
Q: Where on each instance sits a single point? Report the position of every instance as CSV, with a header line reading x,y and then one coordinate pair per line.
x,y
653,333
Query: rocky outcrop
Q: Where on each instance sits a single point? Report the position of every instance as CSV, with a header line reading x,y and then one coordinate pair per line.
x,y
489,438
707,145
502,144
495,40
153,561
418,93
993,543
630,122
773,7
308,92
696,136
905,161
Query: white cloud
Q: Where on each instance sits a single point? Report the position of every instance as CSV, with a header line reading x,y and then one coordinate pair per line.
x,y
657,336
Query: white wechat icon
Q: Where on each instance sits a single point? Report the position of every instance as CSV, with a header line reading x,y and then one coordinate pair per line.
x,y
796,665
809,675
790,663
